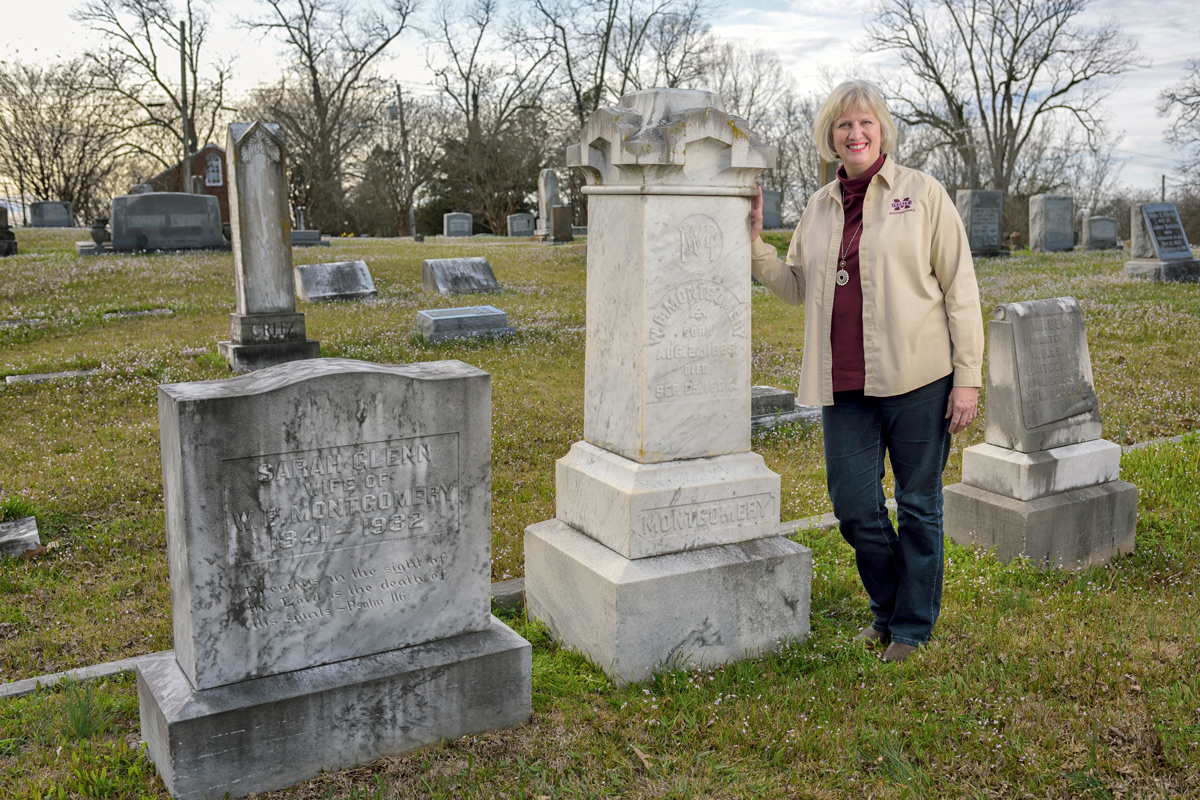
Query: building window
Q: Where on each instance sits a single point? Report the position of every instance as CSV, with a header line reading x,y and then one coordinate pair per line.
x,y
212,172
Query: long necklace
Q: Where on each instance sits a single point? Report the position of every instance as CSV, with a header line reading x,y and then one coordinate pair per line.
x,y
842,276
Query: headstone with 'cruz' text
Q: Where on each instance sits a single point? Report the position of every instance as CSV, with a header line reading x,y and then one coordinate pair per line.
x,y
1043,485
1159,249
265,329
665,550
329,549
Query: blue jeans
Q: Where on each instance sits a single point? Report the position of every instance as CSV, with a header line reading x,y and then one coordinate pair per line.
x,y
901,573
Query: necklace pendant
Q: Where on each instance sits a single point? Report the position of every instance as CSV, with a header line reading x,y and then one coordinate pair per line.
x,y
842,276
842,263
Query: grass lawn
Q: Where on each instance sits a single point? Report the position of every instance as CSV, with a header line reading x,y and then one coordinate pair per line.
x,y
1062,684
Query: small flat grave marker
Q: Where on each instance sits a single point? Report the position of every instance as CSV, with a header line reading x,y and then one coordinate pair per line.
x,y
459,323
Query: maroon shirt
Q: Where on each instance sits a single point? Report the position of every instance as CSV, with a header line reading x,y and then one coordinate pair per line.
x,y
846,335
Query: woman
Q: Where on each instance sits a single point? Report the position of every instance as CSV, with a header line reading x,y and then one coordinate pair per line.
x,y
893,352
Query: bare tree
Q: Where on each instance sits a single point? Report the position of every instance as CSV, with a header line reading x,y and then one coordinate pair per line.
x,y
985,74
58,138
328,94
1182,101
140,67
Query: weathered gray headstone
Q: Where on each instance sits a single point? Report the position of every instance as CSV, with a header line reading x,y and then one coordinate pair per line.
x,y
440,324
1099,233
458,275
560,225
547,199
18,536
8,239
457,223
1044,485
1159,248
166,221
265,329
771,407
339,280
51,214
520,224
772,209
329,550
982,212
1051,222
665,549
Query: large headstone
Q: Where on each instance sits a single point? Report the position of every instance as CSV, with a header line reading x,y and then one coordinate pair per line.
x,y
664,499
1159,248
1051,222
520,224
772,209
457,223
166,221
338,280
265,329
51,214
547,199
458,275
1044,485
440,324
1099,233
329,552
982,212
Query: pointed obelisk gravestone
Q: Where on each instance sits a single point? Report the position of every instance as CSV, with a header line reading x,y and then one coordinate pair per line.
x,y
666,548
1043,485
266,328
329,545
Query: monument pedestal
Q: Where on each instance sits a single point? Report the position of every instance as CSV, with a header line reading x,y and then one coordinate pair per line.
x,y
698,608
1066,530
261,734
1176,270
257,341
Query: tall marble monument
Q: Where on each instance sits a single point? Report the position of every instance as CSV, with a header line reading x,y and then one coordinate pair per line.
x,y
329,546
665,550
266,329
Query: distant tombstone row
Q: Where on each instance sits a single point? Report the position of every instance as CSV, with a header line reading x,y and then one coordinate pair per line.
x,y
1159,247
982,212
1043,485
1051,222
51,214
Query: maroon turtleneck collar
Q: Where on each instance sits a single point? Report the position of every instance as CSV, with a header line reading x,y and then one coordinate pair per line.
x,y
858,185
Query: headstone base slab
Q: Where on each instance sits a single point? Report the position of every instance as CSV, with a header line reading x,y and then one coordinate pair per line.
x,y
807,415
1028,476
92,249
269,733
700,608
251,357
1183,270
644,510
1070,530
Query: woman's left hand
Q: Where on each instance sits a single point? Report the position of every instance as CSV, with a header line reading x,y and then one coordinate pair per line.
x,y
964,402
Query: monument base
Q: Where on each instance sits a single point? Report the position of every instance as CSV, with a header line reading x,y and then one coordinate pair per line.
x,y
251,357
1068,530
699,608
308,239
268,733
1183,270
1028,476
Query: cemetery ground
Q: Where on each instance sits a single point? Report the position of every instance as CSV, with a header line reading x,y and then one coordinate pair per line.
x,y
1037,684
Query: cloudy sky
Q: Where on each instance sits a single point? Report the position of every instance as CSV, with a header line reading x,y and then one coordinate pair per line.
x,y
811,37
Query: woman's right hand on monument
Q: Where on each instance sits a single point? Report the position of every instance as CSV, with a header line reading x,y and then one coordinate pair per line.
x,y
756,205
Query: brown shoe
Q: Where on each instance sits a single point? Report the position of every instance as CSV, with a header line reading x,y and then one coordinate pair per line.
x,y
873,636
898,651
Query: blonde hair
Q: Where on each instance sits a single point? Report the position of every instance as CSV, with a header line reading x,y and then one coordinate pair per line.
x,y
866,96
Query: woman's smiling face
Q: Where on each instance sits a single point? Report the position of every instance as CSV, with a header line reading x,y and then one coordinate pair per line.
x,y
856,136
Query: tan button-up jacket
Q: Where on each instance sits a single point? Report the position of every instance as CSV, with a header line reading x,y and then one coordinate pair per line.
x,y
921,314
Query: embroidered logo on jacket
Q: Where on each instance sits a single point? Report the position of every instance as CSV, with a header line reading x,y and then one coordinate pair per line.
x,y
902,206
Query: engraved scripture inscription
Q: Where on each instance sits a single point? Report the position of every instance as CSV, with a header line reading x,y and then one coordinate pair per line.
x,y
1049,347
294,504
